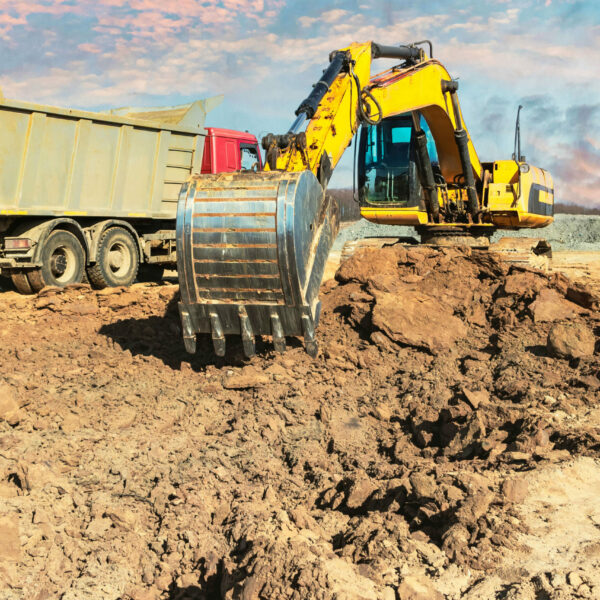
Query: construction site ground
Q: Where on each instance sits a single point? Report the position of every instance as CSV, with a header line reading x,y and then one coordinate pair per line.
x,y
444,444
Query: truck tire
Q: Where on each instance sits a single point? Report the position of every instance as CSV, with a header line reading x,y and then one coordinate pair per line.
x,y
117,260
20,281
63,262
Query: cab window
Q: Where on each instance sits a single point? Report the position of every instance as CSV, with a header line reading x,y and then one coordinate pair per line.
x,y
249,157
387,168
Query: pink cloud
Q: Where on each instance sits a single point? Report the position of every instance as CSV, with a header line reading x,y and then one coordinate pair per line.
x,y
93,48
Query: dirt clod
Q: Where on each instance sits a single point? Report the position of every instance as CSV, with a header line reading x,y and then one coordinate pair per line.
x,y
571,340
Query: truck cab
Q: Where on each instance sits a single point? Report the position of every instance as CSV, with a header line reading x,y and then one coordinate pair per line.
x,y
226,150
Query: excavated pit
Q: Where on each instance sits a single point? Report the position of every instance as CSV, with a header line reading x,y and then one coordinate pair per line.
x,y
444,444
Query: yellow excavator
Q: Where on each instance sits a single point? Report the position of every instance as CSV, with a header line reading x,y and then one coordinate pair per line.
x,y
252,247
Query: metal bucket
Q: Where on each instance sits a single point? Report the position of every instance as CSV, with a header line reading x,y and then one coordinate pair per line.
x,y
251,251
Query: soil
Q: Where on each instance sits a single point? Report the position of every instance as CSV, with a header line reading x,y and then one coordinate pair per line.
x,y
444,444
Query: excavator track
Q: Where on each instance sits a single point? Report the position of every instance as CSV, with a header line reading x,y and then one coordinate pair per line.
x,y
251,251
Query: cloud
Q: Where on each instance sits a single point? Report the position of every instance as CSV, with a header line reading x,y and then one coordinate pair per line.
x,y
93,48
265,54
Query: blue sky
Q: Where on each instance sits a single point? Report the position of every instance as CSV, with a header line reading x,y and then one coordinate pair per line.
x,y
265,54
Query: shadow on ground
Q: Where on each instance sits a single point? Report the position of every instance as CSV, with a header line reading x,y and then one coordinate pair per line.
x,y
161,337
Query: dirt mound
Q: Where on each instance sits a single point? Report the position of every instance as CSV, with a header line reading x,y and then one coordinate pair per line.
x,y
409,460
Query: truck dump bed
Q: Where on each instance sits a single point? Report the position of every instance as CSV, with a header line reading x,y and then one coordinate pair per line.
x,y
126,163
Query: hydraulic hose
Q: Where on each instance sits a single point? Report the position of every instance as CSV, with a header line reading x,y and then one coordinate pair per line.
x,y
364,112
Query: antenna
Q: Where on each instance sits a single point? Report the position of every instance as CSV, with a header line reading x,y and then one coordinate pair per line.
x,y
517,156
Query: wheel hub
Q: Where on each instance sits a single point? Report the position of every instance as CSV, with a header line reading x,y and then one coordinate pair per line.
x,y
119,260
58,264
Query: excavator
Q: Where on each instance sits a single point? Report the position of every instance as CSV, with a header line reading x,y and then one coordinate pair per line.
x,y
252,246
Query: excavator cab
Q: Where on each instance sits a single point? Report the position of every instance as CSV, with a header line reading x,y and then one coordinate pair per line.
x,y
387,169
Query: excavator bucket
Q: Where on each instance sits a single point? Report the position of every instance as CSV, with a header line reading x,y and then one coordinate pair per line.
x,y
251,251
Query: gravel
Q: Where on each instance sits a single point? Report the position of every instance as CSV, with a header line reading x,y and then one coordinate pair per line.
x,y
568,232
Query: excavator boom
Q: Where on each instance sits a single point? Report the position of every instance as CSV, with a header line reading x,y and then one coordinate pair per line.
x,y
252,247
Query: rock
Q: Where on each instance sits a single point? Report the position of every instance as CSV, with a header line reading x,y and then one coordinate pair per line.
x,y
455,541
124,518
244,381
423,486
10,543
417,588
523,283
551,306
168,292
574,579
97,528
476,398
49,290
571,340
388,594
121,300
187,580
518,456
474,507
124,417
382,412
9,407
140,593
8,490
47,302
111,291
81,308
582,296
70,423
486,588
415,319
515,490
360,491
367,263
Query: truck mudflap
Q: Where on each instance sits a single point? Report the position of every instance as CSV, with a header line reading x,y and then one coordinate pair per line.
x,y
251,252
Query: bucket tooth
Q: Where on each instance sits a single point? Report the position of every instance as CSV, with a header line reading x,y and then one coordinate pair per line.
x,y
247,333
310,341
277,333
218,337
189,333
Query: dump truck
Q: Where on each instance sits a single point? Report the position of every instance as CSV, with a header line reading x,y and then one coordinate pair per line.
x,y
92,195
252,247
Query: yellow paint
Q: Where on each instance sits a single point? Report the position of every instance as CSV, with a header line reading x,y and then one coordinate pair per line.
x,y
136,214
415,88
75,213
398,91
13,212
391,216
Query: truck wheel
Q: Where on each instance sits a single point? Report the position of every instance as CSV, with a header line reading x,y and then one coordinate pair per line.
x,y
116,261
63,262
20,281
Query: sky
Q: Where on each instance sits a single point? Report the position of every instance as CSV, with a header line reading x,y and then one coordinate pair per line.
x,y
264,55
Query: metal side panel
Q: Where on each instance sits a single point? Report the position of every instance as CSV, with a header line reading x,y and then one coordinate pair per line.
x,y
251,253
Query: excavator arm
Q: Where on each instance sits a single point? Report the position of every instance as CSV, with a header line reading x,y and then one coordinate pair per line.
x,y
348,97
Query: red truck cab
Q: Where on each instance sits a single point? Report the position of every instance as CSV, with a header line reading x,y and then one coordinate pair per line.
x,y
227,150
